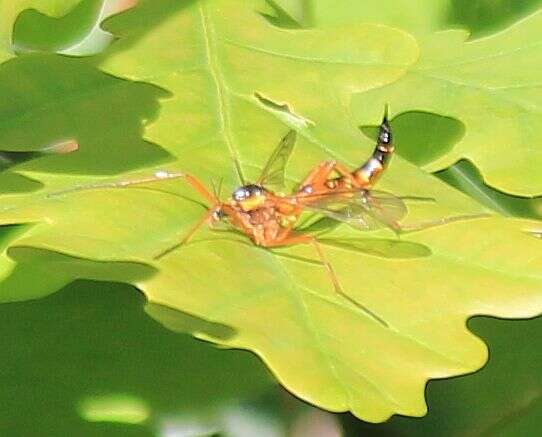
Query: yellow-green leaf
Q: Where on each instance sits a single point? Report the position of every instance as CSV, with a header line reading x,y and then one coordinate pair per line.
x,y
489,84
236,85
10,10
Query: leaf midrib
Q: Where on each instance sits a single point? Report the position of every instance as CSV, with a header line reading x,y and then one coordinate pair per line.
x,y
215,71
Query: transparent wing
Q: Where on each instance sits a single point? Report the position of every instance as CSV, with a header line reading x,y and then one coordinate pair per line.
x,y
273,172
361,209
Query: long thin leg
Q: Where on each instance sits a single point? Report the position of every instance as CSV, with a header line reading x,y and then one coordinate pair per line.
x,y
158,176
187,237
299,239
337,285
319,174
317,180
365,175
439,222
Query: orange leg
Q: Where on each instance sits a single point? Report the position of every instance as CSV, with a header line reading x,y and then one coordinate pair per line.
x,y
188,236
362,177
301,239
159,176
317,178
319,174
200,188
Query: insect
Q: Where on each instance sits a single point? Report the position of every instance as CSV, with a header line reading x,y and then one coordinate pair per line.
x,y
330,189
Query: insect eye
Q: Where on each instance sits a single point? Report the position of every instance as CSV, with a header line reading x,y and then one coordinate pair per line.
x,y
240,194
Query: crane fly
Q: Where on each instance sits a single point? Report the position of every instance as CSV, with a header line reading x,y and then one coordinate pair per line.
x,y
330,189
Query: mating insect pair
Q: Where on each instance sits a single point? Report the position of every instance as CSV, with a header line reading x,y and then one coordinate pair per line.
x,y
331,189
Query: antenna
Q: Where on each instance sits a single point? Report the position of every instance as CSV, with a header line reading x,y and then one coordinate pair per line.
x,y
156,177
219,189
386,112
214,187
239,171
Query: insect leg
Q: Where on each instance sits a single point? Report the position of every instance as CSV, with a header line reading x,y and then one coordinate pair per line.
x,y
319,178
300,239
439,222
337,285
318,175
187,237
200,188
158,176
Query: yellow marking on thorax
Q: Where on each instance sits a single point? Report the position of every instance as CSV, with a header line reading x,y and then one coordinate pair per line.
x,y
252,203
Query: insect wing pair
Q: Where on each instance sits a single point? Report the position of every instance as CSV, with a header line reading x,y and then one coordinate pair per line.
x,y
360,208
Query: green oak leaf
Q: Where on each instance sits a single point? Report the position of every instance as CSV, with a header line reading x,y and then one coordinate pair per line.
x,y
237,84
415,16
228,70
503,399
483,17
490,85
419,17
44,99
423,136
10,10
286,13
281,303
465,176
65,26
437,137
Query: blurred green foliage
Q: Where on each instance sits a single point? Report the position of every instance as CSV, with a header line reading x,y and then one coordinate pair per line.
x,y
483,17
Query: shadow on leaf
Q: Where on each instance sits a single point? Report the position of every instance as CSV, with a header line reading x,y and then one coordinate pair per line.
x,y
57,270
381,247
422,137
466,177
483,17
139,21
51,99
179,321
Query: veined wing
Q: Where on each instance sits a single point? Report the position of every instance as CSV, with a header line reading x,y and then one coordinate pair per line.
x,y
361,209
273,172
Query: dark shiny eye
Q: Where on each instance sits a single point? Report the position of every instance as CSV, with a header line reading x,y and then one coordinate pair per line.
x,y
240,194
243,193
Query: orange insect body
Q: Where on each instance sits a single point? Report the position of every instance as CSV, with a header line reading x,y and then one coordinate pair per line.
x,y
268,219
330,189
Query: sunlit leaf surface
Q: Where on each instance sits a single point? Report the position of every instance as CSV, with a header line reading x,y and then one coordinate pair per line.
x,y
236,84
414,16
503,399
492,86
489,84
